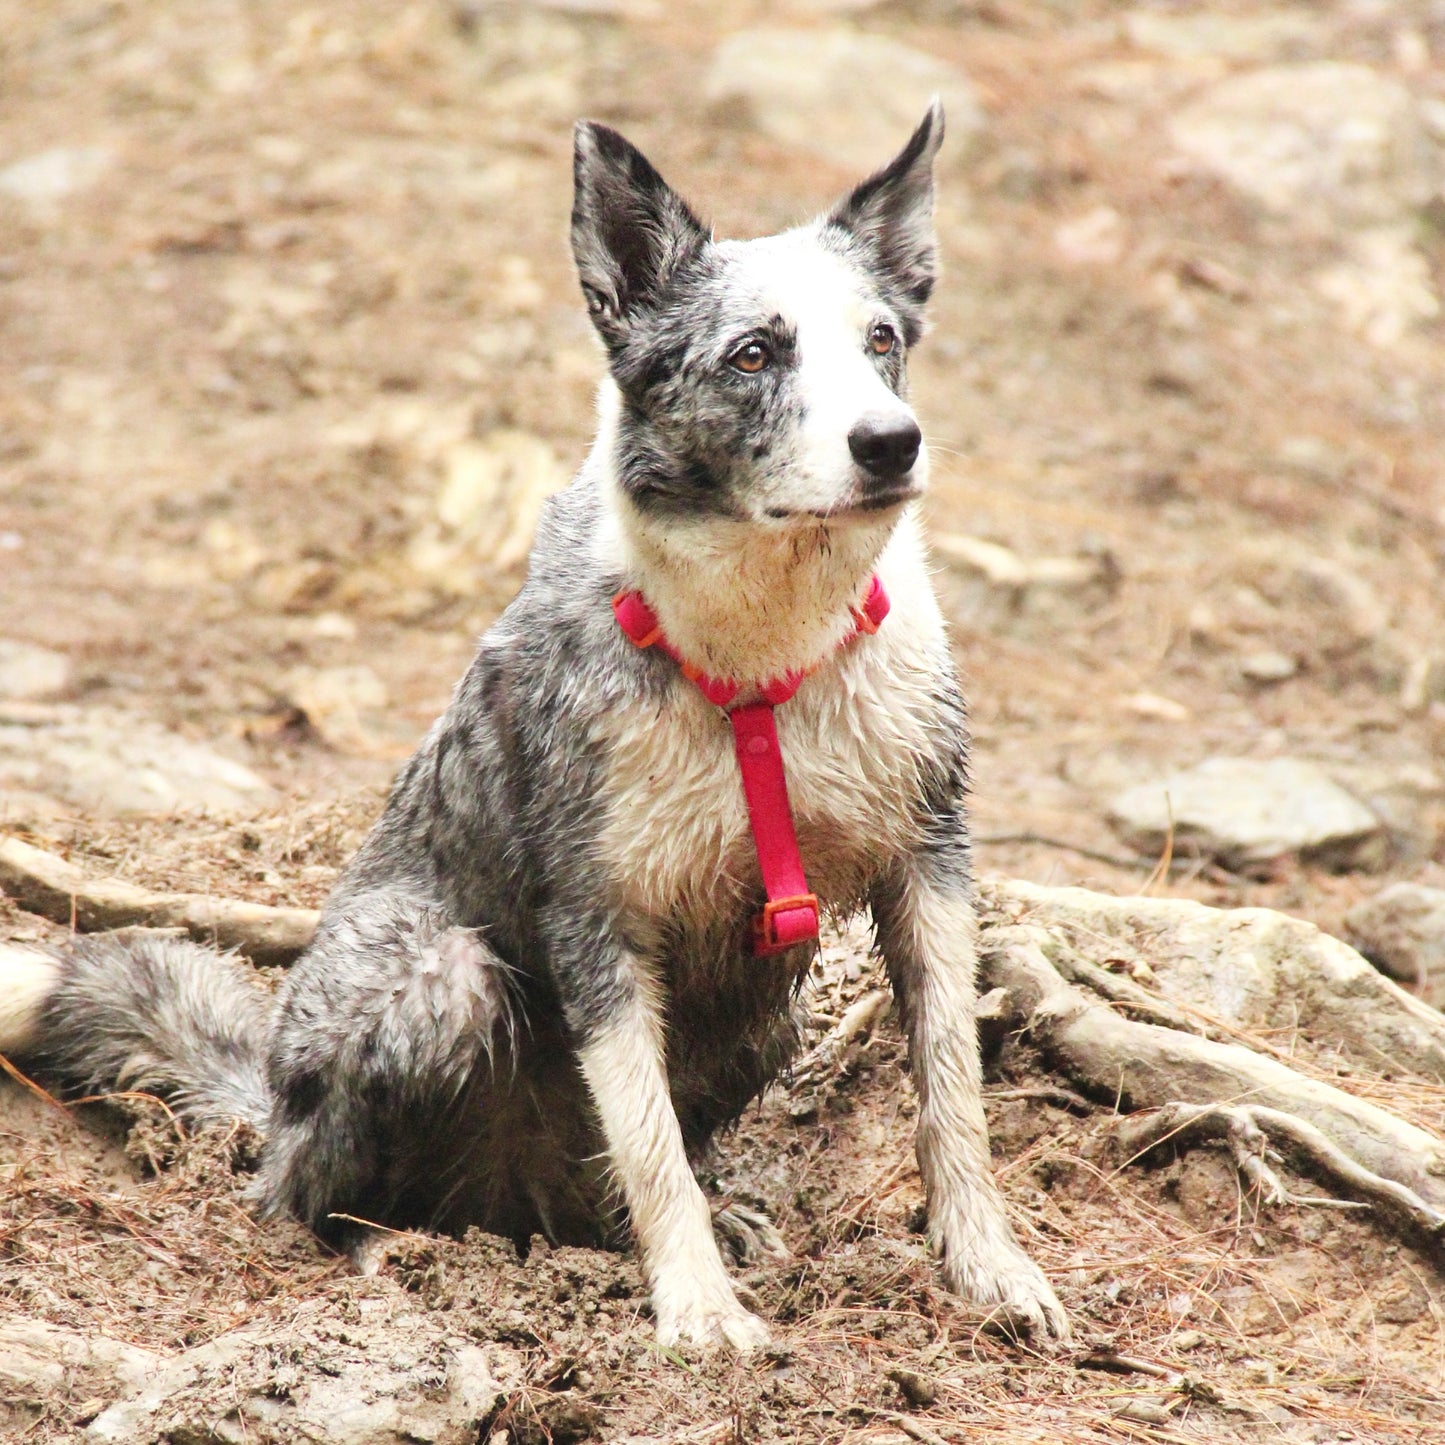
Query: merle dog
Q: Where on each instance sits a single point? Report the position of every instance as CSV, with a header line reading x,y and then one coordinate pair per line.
x,y
540,989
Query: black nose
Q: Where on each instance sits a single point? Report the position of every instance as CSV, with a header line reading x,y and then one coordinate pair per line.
x,y
886,446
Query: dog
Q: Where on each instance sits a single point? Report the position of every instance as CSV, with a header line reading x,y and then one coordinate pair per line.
x,y
571,950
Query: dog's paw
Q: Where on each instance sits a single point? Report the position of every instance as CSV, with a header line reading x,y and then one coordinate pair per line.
x,y
713,1326
1017,1297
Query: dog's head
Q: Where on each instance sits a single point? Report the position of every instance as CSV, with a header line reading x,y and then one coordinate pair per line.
x,y
761,381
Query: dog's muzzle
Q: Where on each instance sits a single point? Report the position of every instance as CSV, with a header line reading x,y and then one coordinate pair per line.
x,y
885,446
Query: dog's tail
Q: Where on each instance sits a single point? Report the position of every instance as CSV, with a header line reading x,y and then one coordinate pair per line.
x,y
156,1014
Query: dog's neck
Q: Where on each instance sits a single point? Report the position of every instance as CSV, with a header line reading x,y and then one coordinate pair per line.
x,y
746,602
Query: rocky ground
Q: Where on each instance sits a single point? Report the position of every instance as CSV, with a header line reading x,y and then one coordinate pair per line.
x,y
290,351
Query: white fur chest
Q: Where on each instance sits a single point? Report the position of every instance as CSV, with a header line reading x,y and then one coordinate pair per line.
x,y
677,843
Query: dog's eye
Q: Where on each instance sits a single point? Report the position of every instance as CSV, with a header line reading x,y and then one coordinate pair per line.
x,y
882,339
751,357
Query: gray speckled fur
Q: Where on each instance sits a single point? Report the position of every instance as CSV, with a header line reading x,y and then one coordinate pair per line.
x,y
418,1066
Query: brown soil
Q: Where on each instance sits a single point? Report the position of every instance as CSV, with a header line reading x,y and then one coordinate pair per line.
x,y
329,245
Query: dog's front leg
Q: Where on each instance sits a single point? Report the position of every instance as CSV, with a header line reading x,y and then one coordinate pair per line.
x,y
927,930
623,1062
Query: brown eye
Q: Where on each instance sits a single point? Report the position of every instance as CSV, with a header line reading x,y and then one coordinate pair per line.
x,y
882,339
751,357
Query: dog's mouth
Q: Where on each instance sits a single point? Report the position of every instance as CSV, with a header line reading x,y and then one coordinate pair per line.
x,y
882,500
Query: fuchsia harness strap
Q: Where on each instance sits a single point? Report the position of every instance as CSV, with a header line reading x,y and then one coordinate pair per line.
x,y
791,913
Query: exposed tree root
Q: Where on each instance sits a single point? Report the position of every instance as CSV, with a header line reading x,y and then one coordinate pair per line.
x,y
1244,1098
836,1051
56,889
1250,1134
1228,973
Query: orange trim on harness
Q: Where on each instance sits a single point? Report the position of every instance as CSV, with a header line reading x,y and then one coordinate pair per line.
x,y
790,916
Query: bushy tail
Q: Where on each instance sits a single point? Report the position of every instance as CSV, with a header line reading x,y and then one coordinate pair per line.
x,y
157,1014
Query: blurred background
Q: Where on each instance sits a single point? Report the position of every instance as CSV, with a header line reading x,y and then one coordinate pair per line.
x,y
291,351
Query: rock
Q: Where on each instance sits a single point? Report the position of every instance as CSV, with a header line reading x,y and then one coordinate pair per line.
x,y
1153,705
112,763
1268,667
1316,458
1408,798
54,174
1005,591
1246,813
805,89
375,1381
1401,930
1326,144
917,1389
28,672
345,705
36,1357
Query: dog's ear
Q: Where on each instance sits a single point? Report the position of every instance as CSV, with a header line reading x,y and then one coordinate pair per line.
x,y
630,229
889,218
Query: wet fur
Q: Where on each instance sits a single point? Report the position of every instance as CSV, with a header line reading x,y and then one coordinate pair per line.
x,y
530,1003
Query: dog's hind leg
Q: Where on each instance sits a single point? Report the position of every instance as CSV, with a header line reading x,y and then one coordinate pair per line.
x,y
623,1062
927,931
384,1037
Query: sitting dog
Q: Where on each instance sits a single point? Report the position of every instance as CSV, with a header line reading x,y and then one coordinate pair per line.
x,y
572,948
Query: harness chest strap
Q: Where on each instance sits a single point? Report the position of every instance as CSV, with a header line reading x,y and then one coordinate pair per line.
x,y
790,914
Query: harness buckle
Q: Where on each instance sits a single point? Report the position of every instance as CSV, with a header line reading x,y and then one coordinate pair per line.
x,y
784,922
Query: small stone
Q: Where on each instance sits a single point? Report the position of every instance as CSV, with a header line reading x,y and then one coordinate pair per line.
x,y
1403,1302
1153,705
54,174
802,88
1245,813
1145,1412
1322,610
1096,238
1315,458
1401,930
28,672
1267,668
919,1390
1423,682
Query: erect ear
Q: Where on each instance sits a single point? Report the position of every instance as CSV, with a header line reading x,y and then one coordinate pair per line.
x,y
630,229
889,219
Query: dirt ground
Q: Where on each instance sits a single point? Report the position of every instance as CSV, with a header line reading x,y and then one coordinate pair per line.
x,y
301,289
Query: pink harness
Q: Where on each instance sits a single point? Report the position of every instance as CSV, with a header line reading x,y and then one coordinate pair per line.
x,y
791,913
